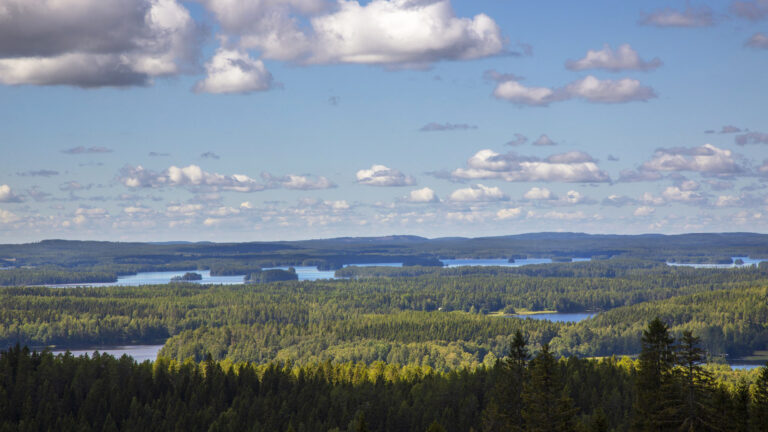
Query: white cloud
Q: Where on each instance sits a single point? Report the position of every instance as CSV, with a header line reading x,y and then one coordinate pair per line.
x,y
757,40
537,193
609,91
589,88
566,167
234,71
509,213
246,205
299,182
478,193
690,17
94,43
706,159
618,200
519,139
676,194
7,195
544,140
380,175
7,217
644,211
517,93
423,195
622,59
192,177
385,32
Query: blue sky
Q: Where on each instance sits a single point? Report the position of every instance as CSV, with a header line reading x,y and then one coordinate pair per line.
x,y
234,120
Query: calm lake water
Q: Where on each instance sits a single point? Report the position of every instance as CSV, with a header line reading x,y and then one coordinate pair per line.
x,y
559,317
746,366
138,352
305,273
501,262
156,278
747,262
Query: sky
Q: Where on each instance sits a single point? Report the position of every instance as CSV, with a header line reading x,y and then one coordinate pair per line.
x,y
235,120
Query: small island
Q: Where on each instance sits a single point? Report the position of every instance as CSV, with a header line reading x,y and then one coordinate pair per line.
x,y
187,277
272,275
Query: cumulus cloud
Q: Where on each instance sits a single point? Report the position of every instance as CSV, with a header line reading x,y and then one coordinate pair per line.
x,y
94,43
678,194
537,193
191,176
38,173
757,40
644,211
751,138
750,10
689,17
384,32
7,217
519,139
436,127
706,159
86,150
544,140
423,195
565,167
589,89
7,195
618,200
509,213
622,59
298,182
478,193
234,71
380,175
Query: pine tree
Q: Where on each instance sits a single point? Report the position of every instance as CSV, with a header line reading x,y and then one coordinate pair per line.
x,y
655,380
504,411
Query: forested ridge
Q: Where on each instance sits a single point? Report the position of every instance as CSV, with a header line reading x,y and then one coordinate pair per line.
x,y
61,261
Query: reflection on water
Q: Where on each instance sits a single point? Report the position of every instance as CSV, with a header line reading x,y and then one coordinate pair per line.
x,y
138,352
559,317
164,277
747,261
502,262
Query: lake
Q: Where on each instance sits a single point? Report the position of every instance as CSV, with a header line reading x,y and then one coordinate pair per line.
x,y
501,262
570,317
157,278
747,262
305,273
138,352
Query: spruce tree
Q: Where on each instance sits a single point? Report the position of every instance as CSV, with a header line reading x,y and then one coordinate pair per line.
x,y
695,406
546,406
504,410
655,380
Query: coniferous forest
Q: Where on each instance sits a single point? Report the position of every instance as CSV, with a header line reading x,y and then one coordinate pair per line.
x,y
413,348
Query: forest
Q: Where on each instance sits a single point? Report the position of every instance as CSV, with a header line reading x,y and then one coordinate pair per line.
x,y
443,318
667,388
420,347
